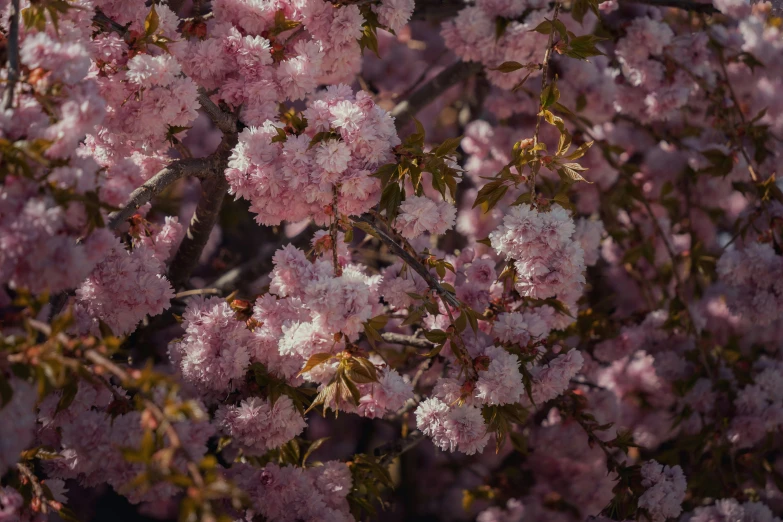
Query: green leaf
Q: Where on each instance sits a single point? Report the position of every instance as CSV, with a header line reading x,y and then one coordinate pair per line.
x,y
312,448
436,336
369,40
564,143
315,360
490,194
580,151
391,197
507,67
319,137
571,171
448,147
68,395
544,27
550,95
583,47
151,22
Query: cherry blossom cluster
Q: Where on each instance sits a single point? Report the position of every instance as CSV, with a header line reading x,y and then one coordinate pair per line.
x,y
257,55
346,139
540,244
569,315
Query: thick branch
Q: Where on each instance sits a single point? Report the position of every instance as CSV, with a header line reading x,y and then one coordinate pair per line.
x,y
213,191
687,5
408,340
13,56
404,111
156,184
224,121
410,261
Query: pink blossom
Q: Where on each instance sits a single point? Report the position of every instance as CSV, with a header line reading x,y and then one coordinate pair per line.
x,y
502,382
258,426
420,214
665,490
215,351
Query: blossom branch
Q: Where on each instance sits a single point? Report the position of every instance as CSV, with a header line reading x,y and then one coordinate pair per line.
x,y
408,340
437,10
13,56
224,121
404,111
199,167
410,261
163,421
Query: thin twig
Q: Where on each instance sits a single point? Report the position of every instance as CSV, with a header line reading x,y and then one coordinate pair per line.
x,y
36,485
333,234
197,291
261,264
408,340
13,56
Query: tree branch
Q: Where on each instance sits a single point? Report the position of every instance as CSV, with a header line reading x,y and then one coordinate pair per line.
x,y
408,340
200,167
213,190
224,121
686,5
107,24
404,111
204,218
13,56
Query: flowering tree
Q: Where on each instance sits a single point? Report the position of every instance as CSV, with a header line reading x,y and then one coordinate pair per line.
x,y
333,260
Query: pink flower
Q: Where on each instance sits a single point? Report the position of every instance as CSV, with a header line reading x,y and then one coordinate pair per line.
x,y
215,351
259,426
420,214
665,490
501,383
